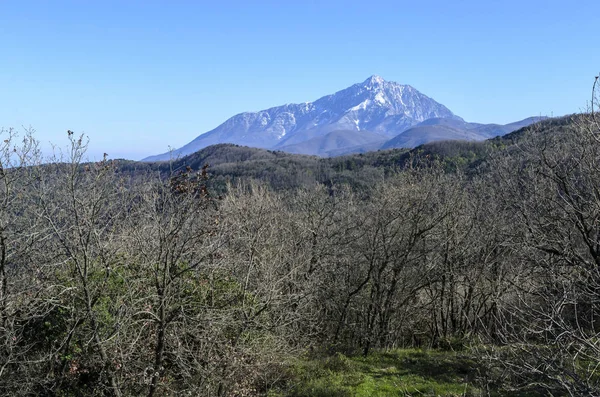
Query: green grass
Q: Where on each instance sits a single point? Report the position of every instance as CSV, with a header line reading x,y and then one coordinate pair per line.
x,y
395,373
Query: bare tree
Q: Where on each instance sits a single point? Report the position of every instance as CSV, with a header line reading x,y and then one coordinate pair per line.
x,y
551,320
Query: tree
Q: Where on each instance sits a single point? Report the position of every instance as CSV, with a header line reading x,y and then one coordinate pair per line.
x,y
551,320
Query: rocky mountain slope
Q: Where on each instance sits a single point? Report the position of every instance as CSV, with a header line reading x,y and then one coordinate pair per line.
x,y
375,105
367,116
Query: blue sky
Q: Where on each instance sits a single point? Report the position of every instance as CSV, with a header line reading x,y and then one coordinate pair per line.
x,y
140,76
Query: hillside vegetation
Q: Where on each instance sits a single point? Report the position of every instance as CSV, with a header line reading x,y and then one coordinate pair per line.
x,y
451,269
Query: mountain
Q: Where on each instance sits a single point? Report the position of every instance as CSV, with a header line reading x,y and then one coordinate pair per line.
x,y
443,129
374,106
325,145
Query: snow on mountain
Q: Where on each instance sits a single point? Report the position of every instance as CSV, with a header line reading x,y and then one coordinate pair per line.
x,y
376,106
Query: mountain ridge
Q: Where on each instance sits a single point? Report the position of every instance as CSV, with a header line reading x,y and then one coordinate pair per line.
x,y
376,105
349,120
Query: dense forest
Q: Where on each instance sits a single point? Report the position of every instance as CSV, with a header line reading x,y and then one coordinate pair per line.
x,y
209,275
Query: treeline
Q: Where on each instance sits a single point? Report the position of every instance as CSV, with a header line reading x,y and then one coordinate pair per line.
x,y
284,171
115,282
231,163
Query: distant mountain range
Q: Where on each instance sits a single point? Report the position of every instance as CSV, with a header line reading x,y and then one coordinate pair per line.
x,y
375,114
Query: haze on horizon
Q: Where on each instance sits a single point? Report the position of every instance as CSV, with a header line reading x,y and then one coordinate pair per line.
x,y
138,77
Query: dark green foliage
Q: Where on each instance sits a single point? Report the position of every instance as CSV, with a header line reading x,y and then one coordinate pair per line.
x,y
229,163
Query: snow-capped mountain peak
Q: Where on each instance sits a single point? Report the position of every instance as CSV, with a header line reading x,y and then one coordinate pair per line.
x,y
377,106
373,81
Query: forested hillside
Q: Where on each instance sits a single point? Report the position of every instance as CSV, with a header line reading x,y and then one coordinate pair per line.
x,y
124,279
230,163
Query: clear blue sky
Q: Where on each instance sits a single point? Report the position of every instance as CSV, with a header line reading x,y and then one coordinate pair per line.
x,y
140,76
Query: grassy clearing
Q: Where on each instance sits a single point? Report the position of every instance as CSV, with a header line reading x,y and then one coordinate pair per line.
x,y
406,372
